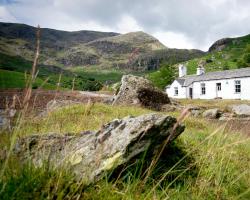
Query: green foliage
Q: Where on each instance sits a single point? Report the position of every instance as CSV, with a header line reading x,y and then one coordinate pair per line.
x,y
245,59
226,66
234,55
163,77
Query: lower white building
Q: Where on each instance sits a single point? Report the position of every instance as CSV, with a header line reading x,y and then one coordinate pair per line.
x,y
228,84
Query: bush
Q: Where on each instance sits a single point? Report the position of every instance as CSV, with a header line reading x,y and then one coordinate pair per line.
x,y
163,77
245,59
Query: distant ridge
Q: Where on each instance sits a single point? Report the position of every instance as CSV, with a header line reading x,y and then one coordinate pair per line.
x,y
135,51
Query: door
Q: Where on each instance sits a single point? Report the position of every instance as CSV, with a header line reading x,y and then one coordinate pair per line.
x,y
218,90
191,93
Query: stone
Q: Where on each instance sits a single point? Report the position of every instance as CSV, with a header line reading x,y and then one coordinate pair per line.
x,y
6,117
136,90
226,117
195,111
92,153
212,113
241,110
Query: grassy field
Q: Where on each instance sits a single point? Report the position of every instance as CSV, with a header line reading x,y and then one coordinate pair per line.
x,y
205,162
212,103
10,79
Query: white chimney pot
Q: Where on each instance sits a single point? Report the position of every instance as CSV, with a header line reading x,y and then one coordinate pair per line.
x,y
182,70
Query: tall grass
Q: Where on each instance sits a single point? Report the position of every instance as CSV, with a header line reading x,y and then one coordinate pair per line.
x,y
204,163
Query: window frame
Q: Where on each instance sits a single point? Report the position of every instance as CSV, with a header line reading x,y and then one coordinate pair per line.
x,y
176,91
203,89
218,86
237,86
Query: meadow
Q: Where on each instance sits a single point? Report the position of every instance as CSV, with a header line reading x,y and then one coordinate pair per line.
x,y
206,162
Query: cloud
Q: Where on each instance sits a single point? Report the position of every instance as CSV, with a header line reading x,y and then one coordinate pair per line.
x,y
177,23
6,16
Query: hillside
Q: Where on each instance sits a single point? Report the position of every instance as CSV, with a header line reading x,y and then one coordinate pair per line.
x,y
226,53
89,48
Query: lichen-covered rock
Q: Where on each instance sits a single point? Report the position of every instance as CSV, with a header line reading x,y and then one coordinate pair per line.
x,y
89,154
136,90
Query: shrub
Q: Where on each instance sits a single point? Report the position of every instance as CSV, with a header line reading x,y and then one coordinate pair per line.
x,y
163,77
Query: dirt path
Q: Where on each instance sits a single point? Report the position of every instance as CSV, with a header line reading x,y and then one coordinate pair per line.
x,y
40,98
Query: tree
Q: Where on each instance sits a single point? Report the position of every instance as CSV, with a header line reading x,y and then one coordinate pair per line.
x,y
163,77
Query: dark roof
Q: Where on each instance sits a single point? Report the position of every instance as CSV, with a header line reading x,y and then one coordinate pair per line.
x,y
227,74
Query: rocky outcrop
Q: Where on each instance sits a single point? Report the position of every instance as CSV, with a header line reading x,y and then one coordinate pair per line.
x,y
136,90
90,154
220,44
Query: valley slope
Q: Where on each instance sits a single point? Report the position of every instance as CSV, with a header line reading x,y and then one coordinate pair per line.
x,y
224,54
136,51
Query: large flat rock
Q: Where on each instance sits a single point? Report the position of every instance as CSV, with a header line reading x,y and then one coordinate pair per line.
x,y
92,153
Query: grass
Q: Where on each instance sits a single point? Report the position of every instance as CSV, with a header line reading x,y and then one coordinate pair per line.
x,y
11,79
92,117
222,104
205,162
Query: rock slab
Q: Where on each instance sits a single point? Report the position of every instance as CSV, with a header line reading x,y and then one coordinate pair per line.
x,y
90,154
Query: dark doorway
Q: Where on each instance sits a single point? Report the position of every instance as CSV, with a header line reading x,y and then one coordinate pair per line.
x,y
191,93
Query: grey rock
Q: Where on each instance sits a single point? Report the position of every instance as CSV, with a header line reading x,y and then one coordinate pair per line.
x,y
242,110
212,113
226,117
90,154
6,117
195,111
136,90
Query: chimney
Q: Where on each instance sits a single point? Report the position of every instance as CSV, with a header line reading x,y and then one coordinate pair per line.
x,y
200,70
182,70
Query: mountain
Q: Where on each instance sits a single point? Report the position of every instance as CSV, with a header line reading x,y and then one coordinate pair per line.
x,y
226,53
132,51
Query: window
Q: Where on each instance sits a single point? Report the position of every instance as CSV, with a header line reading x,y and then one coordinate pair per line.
x,y
203,88
176,91
218,86
237,86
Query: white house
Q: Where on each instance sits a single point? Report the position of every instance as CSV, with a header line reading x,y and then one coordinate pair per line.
x,y
228,84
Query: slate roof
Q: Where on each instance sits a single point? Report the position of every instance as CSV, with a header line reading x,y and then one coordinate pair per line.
x,y
227,74
181,81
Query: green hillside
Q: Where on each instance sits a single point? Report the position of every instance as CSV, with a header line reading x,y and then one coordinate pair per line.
x,y
224,54
16,66
10,79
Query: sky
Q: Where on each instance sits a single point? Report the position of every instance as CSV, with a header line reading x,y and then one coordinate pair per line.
x,y
176,23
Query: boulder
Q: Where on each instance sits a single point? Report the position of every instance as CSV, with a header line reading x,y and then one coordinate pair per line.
x,y
242,110
136,90
212,113
92,153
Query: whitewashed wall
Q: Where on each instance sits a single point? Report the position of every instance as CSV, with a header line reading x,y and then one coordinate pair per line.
x,y
181,91
227,89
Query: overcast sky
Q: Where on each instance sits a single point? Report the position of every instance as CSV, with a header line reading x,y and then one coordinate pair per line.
x,y
176,23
